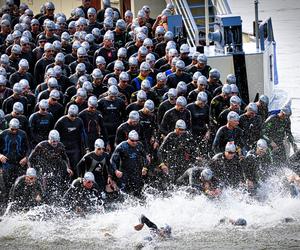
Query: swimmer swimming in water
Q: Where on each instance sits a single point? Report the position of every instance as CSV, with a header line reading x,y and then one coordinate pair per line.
x,y
162,232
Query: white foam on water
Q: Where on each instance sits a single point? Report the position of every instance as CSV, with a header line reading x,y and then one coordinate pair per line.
x,y
182,211
189,215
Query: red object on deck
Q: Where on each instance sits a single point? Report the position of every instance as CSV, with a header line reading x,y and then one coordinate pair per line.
x,y
96,4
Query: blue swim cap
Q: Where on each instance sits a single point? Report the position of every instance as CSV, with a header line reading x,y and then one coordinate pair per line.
x,y
240,222
168,230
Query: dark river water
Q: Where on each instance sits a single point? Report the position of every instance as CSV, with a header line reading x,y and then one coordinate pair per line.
x,y
194,220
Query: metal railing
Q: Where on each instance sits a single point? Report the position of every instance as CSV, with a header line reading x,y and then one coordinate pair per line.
x,y
182,8
222,7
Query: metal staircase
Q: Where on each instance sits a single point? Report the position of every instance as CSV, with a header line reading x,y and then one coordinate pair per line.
x,y
197,8
193,14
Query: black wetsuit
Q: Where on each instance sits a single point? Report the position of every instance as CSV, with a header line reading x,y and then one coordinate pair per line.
x,y
88,66
173,79
123,131
31,100
192,96
225,135
39,69
99,89
149,223
295,162
204,71
69,93
222,119
193,175
66,71
40,126
109,55
200,119
69,58
229,172
162,109
160,48
23,195
24,123
91,26
38,53
134,106
119,40
7,92
113,113
160,62
177,151
151,95
129,160
132,49
127,92
45,94
8,103
64,83
14,62
16,77
51,164
212,86
217,105
171,117
99,165
94,126
57,110
150,130
149,125
81,106
263,111
15,147
252,128
258,167
77,196
73,136
159,93
276,129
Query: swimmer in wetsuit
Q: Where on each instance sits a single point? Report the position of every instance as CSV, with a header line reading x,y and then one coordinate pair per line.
x,y
237,222
162,232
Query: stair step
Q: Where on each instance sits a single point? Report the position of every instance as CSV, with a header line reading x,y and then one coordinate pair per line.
x,y
195,5
200,22
203,17
201,12
202,2
201,27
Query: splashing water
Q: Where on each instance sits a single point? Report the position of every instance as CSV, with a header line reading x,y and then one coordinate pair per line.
x,y
193,219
